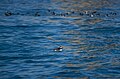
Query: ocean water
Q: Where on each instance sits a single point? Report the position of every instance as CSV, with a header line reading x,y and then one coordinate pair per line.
x,y
88,30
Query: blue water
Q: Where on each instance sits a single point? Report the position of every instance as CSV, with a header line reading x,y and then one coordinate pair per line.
x,y
88,30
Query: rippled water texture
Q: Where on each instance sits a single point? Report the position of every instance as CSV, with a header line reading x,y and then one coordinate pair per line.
x,y
88,30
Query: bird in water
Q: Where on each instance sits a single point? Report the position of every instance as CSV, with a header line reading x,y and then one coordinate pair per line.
x,y
59,49
8,13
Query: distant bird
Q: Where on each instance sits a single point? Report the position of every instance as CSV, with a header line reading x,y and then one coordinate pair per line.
x,y
53,13
37,14
94,12
91,15
48,10
86,12
59,49
73,12
8,13
81,14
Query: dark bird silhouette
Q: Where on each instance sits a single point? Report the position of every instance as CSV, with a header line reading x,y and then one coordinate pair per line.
x,y
37,14
8,13
59,49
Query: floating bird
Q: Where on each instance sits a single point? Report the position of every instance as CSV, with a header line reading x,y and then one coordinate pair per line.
x,y
37,14
8,13
53,13
86,12
59,49
91,15
48,10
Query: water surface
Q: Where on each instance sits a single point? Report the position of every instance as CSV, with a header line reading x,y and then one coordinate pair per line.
x,y
89,31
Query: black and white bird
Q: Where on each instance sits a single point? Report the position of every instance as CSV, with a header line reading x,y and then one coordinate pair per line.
x,y
59,49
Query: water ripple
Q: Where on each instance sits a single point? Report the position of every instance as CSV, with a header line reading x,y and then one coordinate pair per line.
x,y
89,32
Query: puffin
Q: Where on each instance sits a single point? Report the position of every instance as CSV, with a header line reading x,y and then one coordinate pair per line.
x,y
59,49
